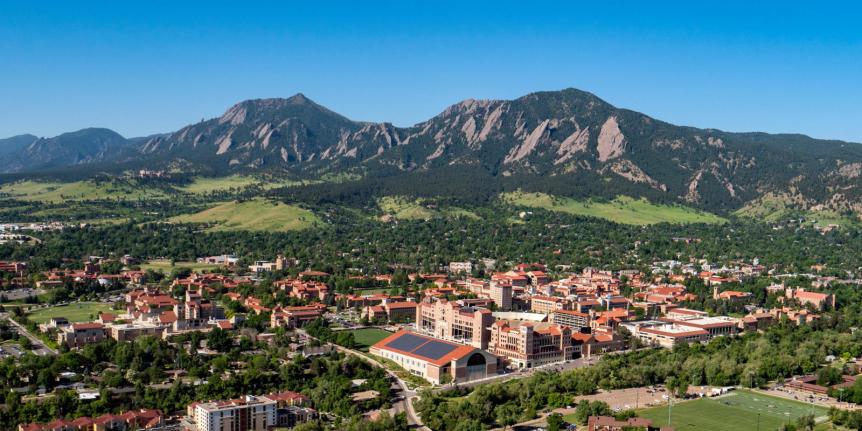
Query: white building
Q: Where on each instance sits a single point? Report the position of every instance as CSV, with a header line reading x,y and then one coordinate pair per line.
x,y
244,414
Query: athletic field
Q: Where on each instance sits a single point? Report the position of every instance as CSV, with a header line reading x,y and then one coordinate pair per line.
x,y
367,337
738,410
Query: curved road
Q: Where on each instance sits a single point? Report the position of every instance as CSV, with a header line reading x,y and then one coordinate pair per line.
x,y
413,418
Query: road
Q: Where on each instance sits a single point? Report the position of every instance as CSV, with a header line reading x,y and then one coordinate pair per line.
x,y
408,395
37,343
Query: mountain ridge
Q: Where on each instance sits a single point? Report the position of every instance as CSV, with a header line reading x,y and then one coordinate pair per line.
x,y
552,134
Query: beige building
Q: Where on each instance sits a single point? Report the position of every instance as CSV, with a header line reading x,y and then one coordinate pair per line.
x,y
80,334
244,414
528,346
454,322
548,304
571,318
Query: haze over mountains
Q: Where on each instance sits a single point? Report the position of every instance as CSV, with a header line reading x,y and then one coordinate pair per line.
x,y
569,135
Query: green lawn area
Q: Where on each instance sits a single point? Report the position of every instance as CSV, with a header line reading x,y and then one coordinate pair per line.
x,y
367,337
253,215
75,312
623,209
165,266
78,190
738,410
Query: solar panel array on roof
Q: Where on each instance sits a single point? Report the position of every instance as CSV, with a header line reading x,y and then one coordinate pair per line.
x,y
406,342
434,349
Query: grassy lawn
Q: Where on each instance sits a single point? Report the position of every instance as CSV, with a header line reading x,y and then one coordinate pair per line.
x,y
623,209
738,410
164,265
253,215
78,190
367,337
75,312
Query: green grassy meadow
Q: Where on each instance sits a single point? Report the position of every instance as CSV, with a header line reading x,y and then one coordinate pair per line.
x,y
739,410
253,215
53,192
623,209
403,208
75,312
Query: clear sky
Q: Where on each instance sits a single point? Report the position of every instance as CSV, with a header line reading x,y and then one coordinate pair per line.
x,y
149,66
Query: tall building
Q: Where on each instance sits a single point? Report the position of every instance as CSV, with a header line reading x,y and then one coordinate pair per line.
x,y
244,414
501,294
455,322
526,346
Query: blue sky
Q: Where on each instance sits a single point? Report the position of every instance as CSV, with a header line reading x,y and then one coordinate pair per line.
x,y
148,67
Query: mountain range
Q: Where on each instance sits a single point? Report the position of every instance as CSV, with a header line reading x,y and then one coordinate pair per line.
x,y
570,136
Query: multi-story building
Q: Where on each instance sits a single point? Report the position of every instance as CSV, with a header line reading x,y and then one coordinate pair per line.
x,y
130,331
80,334
527,346
251,413
573,319
294,317
463,267
455,322
548,304
501,294
670,334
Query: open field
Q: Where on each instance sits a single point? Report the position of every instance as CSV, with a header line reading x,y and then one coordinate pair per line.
x,y
165,266
623,209
253,215
403,208
75,312
739,410
78,190
367,337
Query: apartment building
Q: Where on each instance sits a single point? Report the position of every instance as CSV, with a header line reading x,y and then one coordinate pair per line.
x,y
251,413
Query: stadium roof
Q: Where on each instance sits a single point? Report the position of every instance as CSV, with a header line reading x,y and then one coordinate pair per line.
x,y
431,350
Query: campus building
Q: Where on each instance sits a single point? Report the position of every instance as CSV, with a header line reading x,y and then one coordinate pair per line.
x,y
527,345
455,322
573,319
435,360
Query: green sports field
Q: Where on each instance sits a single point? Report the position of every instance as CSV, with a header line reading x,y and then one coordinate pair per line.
x,y
367,337
75,312
739,410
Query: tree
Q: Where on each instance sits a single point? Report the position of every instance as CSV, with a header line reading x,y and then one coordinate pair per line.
x,y
556,422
